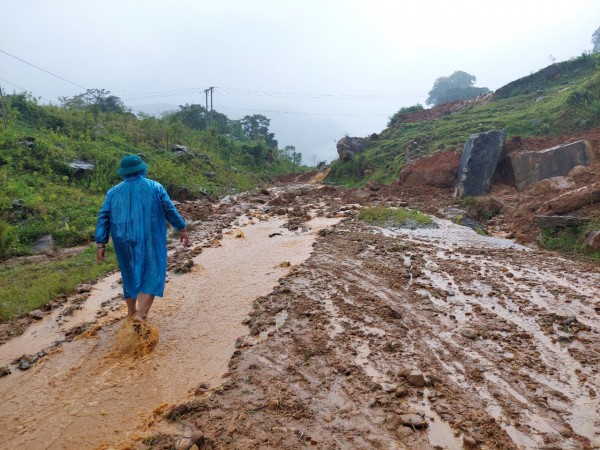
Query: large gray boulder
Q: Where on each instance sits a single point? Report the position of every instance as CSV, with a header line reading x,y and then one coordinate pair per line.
x,y
348,146
478,163
527,168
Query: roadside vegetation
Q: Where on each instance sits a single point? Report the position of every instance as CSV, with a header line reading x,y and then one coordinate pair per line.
x,y
569,240
43,194
563,98
394,217
30,286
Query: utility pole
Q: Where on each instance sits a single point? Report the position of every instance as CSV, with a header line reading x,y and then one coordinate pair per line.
x,y
3,110
206,91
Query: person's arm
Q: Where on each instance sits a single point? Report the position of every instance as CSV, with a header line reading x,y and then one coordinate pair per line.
x,y
173,216
103,228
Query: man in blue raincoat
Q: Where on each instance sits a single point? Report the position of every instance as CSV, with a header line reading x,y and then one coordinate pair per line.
x,y
135,212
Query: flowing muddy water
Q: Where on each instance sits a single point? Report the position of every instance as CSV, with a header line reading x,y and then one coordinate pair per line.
x,y
86,395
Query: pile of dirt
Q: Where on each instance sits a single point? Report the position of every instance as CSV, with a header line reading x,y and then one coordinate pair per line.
x,y
442,110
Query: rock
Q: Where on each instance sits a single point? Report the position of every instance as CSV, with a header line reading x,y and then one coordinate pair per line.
x,y
592,240
82,288
478,163
273,404
372,186
524,169
180,150
554,184
194,447
210,174
413,420
28,141
24,364
416,379
43,244
579,171
439,170
36,314
5,371
469,442
198,439
573,200
83,169
560,221
469,333
348,146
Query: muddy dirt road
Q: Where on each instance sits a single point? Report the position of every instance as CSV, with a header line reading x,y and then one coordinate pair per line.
x,y
382,338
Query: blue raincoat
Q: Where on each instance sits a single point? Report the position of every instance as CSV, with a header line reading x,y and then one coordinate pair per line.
x,y
135,214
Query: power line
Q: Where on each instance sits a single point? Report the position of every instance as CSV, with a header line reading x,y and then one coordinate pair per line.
x,y
43,70
302,113
13,84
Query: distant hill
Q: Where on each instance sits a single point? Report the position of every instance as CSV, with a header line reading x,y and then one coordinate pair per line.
x,y
561,99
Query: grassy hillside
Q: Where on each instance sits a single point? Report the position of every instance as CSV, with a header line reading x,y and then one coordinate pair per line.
x,y
561,99
41,194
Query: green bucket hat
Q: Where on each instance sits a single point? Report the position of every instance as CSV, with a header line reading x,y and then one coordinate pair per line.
x,y
131,164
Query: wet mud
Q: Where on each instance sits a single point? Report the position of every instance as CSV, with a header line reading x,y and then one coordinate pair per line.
x,y
299,326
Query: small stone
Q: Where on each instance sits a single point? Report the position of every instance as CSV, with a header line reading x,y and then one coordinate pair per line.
x,y
194,447
84,288
36,314
24,364
469,333
469,442
273,404
198,439
416,379
4,371
413,420
279,429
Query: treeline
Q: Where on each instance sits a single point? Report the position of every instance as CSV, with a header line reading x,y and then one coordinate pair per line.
x,y
57,161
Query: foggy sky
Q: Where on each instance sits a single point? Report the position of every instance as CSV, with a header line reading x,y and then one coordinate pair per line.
x,y
317,69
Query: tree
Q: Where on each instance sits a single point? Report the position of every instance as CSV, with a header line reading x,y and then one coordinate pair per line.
x,y
96,101
458,86
256,126
596,41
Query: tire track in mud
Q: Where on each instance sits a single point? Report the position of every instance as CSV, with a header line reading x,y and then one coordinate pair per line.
x,y
490,344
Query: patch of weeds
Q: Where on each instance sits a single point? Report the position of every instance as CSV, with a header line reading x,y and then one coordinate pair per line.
x,y
394,217
480,231
569,240
391,346
29,286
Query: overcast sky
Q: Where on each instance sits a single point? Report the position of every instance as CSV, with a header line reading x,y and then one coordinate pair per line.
x,y
317,69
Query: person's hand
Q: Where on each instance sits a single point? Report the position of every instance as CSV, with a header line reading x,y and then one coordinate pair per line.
x,y
184,238
100,254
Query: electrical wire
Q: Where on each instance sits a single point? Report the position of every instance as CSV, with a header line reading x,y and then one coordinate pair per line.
x,y
43,70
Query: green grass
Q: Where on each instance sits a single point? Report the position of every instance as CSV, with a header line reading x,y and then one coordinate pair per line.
x,y
393,217
569,240
29,286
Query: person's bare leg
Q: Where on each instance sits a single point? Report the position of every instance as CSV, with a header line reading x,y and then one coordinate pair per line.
x,y
130,307
144,303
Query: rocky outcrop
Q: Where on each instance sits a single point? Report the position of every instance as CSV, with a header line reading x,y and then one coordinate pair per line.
x,y
348,146
560,221
478,163
82,169
573,200
438,171
524,169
